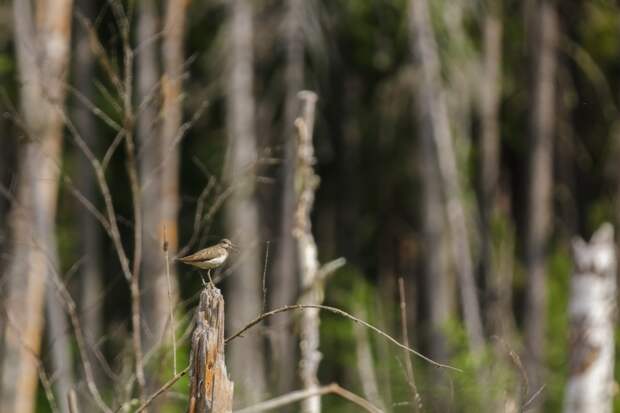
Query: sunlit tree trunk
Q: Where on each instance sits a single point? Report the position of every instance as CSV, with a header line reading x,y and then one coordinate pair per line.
x,y
539,187
91,294
244,290
42,53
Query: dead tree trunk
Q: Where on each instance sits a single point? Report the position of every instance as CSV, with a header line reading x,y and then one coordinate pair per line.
x,y
539,187
42,47
306,183
211,391
592,317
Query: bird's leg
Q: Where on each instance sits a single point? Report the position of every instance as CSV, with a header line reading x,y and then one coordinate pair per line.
x,y
202,278
209,275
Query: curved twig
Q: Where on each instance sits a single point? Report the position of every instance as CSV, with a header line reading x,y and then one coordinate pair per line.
x,y
343,314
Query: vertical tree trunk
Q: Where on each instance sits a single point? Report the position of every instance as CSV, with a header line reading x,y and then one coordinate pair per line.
x,y
244,291
172,118
592,317
490,90
538,223
42,54
434,127
91,299
439,281
155,297
285,280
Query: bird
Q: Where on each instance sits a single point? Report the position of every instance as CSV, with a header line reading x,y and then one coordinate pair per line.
x,y
209,258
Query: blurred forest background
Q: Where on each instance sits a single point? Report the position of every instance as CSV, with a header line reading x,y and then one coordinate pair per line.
x,y
460,146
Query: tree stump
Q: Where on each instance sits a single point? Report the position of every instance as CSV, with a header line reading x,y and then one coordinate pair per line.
x,y
211,391
592,308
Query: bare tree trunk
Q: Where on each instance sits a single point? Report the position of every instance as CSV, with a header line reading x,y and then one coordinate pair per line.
x,y
155,301
42,55
434,127
592,317
540,187
244,292
439,281
91,295
285,280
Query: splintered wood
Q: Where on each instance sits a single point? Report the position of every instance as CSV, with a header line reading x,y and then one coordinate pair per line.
x,y
592,308
211,391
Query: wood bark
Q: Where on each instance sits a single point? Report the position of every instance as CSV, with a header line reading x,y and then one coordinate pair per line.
x,y
42,53
211,390
244,292
91,299
538,225
285,282
306,182
434,126
592,318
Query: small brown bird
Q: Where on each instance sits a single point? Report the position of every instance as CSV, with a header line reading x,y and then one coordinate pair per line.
x,y
209,258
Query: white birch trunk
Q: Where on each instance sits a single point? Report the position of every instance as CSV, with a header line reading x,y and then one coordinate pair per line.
x,y
592,318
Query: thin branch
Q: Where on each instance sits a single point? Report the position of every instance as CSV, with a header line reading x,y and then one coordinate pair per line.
x,y
265,277
99,51
162,389
417,400
528,404
72,402
343,314
299,395
105,192
172,323
94,109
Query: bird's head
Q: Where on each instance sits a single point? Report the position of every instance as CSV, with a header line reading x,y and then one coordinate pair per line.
x,y
227,244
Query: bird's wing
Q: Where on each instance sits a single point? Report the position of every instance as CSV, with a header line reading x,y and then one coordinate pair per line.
x,y
202,255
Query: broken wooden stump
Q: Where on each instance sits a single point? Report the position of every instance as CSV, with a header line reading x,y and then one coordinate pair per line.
x,y
592,317
210,391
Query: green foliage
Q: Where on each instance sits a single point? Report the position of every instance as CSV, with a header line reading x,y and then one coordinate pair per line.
x,y
558,278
